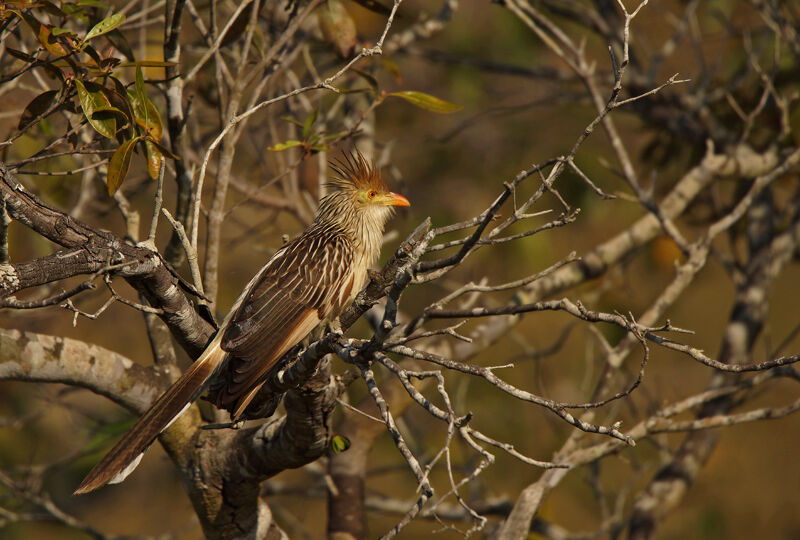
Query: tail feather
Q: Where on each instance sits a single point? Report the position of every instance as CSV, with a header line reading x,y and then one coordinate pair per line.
x,y
116,464
129,468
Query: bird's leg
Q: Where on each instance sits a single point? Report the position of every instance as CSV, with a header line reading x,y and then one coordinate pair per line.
x,y
335,327
225,425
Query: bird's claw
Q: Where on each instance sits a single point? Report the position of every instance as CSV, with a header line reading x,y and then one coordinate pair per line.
x,y
225,425
334,327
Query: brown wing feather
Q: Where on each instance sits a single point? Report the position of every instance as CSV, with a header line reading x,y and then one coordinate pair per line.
x,y
304,325
297,290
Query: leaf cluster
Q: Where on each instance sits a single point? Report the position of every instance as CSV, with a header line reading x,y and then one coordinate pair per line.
x,y
89,70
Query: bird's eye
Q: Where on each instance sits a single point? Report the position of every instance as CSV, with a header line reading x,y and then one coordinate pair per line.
x,y
371,194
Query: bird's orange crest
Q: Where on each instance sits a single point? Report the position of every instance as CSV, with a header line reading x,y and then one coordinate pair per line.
x,y
354,171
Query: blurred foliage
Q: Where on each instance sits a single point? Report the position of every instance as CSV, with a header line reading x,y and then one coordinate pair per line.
x,y
87,74
511,105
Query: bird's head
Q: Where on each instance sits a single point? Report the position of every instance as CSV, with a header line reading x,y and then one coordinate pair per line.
x,y
357,197
361,182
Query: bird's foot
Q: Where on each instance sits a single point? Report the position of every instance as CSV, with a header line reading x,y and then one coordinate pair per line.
x,y
225,425
335,327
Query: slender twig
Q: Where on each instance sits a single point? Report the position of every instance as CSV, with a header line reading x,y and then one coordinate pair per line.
x,y
5,220
191,254
151,236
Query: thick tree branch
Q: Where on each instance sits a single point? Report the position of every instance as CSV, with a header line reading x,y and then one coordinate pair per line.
x,y
93,248
28,356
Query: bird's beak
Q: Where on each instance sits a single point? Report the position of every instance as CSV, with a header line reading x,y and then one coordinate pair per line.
x,y
395,199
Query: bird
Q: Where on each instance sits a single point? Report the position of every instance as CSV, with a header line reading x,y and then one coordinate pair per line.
x,y
302,288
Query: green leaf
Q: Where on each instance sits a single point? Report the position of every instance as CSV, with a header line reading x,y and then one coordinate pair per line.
x,y
339,444
120,101
75,12
284,145
105,26
93,3
308,124
154,126
58,31
119,165
427,101
291,121
146,113
148,63
154,157
331,136
164,150
93,100
42,31
48,40
105,111
140,88
393,69
371,81
37,107
146,116
259,41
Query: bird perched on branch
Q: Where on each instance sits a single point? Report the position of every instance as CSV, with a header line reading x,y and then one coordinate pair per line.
x,y
305,285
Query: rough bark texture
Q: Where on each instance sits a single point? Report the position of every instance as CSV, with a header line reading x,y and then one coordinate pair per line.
x,y
29,356
145,270
230,466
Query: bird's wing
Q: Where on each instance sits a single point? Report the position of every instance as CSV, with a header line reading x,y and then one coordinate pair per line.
x,y
299,288
294,292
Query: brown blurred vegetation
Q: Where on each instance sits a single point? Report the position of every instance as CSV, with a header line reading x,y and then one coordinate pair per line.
x,y
451,167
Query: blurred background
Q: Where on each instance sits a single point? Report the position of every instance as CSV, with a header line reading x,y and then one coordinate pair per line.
x,y
521,105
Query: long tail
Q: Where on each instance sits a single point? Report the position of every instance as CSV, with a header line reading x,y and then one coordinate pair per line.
x,y
125,455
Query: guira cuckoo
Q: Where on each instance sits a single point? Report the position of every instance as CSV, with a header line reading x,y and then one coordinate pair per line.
x,y
306,284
